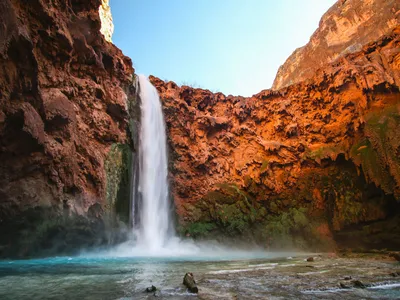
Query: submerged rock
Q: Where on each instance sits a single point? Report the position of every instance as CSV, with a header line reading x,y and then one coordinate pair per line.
x,y
343,285
190,283
359,284
157,294
310,259
151,289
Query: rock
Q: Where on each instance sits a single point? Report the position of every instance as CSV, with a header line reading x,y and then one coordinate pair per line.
x,y
347,278
58,80
344,286
310,259
358,284
190,283
151,289
345,28
157,294
107,25
395,255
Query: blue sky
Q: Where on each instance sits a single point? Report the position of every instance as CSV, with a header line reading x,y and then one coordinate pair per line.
x,y
230,46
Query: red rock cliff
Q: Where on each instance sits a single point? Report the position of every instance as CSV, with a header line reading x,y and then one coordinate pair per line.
x,y
64,96
326,150
345,28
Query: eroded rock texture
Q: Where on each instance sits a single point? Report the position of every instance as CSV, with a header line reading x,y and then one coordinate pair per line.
x,y
107,25
345,28
64,94
319,160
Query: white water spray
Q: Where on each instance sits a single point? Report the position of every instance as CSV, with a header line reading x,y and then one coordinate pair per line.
x,y
155,221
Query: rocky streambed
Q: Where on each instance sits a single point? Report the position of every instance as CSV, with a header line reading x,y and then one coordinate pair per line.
x,y
296,278
263,277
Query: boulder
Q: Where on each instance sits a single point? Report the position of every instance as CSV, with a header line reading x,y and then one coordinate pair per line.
x,y
190,283
359,284
151,289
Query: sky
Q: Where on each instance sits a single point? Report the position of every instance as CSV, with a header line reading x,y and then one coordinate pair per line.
x,y
229,46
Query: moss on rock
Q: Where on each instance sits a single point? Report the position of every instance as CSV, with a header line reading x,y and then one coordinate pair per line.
x,y
378,153
118,166
197,229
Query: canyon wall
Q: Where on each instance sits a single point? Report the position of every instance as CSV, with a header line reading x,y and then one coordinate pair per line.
x,y
345,28
312,165
65,142
107,25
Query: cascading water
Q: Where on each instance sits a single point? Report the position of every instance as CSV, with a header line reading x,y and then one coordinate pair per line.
x,y
154,210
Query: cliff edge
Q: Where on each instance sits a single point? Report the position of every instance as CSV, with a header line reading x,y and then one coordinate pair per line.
x,y
345,28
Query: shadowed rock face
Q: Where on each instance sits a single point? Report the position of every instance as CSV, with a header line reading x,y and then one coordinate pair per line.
x,y
64,95
345,28
328,148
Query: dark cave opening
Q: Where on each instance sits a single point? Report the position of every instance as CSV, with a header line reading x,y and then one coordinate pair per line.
x,y
377,213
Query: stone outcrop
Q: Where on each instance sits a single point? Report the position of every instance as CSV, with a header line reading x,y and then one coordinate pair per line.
x,y
345,28
64,106
107,25
314,160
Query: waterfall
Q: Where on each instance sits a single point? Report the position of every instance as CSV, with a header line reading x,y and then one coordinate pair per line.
x,y
152,203
153,233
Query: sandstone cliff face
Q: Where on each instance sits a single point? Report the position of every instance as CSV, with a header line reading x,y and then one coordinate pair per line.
x,y
64,94
107,25
345,28
313,160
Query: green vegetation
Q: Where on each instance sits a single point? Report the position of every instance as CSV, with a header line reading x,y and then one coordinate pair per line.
x,y
118,171
197,229
293,228
347,209
232,219
230,211
297,217
377,153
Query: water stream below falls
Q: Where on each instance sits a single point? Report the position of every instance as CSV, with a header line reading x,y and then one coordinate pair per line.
x,y
217,278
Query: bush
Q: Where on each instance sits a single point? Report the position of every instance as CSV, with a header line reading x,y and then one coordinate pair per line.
x,y
199,229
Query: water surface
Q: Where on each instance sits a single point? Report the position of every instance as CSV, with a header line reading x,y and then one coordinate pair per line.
x,y
268,276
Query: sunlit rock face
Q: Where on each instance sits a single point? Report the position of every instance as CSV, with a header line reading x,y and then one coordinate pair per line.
x,y
345,28
323,152
63,112
107,25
